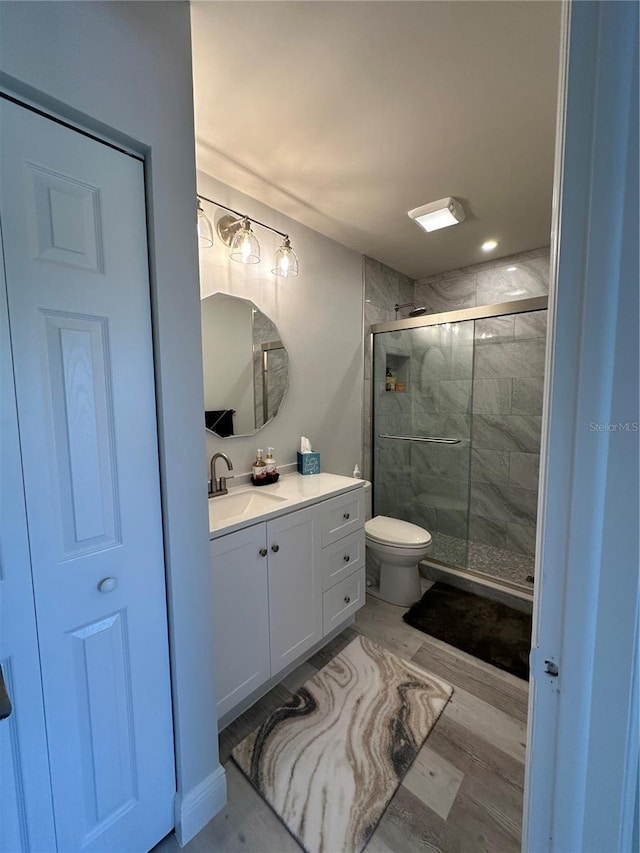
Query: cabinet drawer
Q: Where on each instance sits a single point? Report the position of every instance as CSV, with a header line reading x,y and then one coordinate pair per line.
x,y
342,600
342,559
342,515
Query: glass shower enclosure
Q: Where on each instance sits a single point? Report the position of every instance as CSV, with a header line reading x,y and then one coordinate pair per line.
x,y
456,424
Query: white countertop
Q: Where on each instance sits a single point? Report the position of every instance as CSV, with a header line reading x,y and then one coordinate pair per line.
x,y
294,491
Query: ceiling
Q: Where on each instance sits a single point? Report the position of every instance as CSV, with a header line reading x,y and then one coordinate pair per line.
x,y
345,115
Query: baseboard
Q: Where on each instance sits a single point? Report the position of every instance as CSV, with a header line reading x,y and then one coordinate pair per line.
x,y
198,806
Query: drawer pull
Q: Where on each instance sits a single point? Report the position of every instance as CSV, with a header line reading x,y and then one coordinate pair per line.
x,y
346,516
346,558
275,548
347,599
263,552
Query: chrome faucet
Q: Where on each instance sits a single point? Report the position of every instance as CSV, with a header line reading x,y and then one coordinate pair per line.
x,y
218,486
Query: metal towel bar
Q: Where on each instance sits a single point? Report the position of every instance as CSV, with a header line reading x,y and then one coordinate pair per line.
x,y
425,438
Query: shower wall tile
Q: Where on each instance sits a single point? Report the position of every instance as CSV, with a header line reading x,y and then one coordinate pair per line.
x,y
507,432
425,462
524,470
517,358
521,537
425,397
385,287
417,512
453,462
501,284
488,531
492,396
532,324
494,329
489,466
438,294
526,396
503,503
455,396
452,522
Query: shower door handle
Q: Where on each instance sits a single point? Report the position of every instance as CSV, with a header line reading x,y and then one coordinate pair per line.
x,y
423,438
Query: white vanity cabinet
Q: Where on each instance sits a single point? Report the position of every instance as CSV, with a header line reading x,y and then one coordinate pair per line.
x,y
280,586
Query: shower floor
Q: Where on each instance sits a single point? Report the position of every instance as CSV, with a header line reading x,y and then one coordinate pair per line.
x,y
496,562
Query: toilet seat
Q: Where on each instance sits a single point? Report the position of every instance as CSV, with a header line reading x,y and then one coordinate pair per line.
x,y
393,532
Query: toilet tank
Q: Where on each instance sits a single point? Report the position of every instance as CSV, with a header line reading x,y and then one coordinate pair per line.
x,y
367,500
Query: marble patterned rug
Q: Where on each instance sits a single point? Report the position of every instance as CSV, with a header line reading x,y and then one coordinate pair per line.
x,y
329,761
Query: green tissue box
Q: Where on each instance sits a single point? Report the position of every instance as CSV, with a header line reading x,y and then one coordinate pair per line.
x,y
308,463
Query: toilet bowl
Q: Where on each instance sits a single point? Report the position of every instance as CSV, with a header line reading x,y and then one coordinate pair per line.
x,y
394,548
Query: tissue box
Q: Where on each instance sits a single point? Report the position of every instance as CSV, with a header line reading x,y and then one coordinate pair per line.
x,y
308,463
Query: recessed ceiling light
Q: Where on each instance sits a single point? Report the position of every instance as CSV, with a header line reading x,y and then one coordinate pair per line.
x,y
438,214
511,269
489,245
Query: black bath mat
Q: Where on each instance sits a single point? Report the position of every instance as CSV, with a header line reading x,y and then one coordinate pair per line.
x,y
489,630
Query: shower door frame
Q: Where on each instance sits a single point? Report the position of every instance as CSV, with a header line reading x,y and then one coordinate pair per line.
x,y
480,312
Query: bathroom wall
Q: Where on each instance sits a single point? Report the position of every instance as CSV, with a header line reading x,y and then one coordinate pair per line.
x,y
384,288
319,319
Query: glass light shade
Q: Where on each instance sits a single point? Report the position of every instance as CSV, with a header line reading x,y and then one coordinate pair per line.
x,y
205,231
245,247
285,261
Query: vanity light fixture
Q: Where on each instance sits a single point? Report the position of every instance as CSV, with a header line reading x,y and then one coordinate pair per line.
x,y
205,231
438,214
234,230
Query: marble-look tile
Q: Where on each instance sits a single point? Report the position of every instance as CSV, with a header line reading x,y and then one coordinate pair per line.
x,y
452,522
450,295
521,537
511,358
503,503
462,361
442,426
453,461
417,513
386,287
434,781
492,396
524,470
501,284
455,395
526,395
434,364
507,432
488,531
532,324
489,466
445,493
494,329
425,397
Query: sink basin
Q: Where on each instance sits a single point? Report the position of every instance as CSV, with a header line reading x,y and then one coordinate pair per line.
x,y
241,506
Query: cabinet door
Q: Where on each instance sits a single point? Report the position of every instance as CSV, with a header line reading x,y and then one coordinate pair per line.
x,y
241,615
295,593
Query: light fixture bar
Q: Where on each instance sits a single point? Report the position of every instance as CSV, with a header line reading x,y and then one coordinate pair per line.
x,y
242,215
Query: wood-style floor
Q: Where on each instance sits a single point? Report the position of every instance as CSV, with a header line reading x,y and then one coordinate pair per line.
x,y
464,791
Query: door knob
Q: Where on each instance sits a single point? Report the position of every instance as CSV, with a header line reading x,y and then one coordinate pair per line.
x,y
346,516
107,585
275,548
263,552
346,558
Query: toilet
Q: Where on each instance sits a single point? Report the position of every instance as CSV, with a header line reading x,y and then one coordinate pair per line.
x,y
394,549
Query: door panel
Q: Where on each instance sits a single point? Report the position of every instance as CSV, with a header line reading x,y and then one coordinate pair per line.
x,y
73,218
26,814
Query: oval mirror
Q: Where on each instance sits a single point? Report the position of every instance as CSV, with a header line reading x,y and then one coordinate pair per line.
x,y
246,367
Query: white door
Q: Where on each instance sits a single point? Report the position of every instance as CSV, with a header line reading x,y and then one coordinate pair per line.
x,y
240,614
295,586
72,214
26,816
